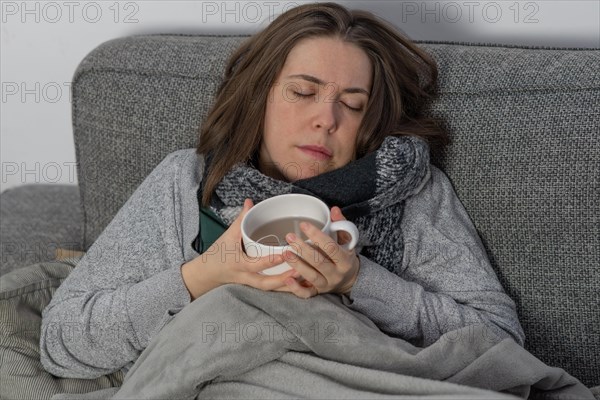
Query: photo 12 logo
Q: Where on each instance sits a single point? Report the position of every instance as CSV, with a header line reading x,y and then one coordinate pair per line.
x,y
53,12
272,332
37,172
469,11
246,11
36,92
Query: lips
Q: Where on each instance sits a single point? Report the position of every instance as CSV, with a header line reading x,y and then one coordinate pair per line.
x,y
319,152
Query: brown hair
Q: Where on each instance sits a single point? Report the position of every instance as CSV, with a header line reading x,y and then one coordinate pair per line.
x,y
404,79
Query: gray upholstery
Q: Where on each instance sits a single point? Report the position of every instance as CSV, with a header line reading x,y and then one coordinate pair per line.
x,y
36,220
134,101
524,160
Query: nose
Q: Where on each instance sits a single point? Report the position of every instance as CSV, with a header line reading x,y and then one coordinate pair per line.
x,y
325,115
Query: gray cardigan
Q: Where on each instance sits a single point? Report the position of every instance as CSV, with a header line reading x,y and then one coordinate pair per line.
x,y
129,284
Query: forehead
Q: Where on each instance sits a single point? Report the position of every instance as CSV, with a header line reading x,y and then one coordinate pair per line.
x,y
330,60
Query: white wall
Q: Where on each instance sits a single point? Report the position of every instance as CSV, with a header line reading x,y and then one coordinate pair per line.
x,y
43,42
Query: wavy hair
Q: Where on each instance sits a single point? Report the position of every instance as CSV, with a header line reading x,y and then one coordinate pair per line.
x,y
404,80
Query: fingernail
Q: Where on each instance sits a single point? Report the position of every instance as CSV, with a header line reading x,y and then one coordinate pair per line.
x,y
304,225
291,236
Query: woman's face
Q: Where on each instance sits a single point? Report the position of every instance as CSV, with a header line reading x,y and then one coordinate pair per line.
x,y
314,109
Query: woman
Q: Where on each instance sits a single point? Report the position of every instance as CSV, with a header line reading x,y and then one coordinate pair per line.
x,y
324,101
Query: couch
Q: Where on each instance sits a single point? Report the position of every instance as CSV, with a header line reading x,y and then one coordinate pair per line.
x,y
524,160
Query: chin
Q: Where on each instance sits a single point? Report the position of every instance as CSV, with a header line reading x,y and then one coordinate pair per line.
x,y
299,170
292,177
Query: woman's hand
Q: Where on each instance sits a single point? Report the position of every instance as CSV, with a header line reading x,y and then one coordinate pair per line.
x,y
324,267
226,262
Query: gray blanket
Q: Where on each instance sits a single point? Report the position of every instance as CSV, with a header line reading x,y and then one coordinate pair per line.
x,y
240,342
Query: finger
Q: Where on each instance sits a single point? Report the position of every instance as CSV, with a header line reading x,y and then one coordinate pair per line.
x,y
336,215
288,274
245,208
265,282
258,264
299,290
305,259
284,288
323,245
294,260
236,225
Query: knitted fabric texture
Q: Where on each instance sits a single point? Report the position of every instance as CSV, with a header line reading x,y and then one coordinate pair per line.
x,y
370,192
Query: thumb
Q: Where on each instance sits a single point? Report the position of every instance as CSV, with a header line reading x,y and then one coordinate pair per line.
x,y
336,214
248,204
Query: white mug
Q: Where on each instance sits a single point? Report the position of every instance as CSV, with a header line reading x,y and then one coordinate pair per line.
x,y
289,206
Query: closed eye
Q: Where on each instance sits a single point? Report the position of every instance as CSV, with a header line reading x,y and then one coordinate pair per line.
x,y
303,95
353,108
359,109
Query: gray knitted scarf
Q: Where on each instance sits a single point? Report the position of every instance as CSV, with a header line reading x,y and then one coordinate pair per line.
x,y
370,192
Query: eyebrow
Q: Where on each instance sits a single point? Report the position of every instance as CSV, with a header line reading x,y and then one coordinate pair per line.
x,y
318,81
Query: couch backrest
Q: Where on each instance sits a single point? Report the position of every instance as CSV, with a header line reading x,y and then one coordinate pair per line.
x,y
525,160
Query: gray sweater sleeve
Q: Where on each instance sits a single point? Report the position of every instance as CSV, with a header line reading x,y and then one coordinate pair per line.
x,y
446,282
124,289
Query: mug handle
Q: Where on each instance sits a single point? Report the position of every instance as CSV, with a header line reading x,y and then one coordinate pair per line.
x,y
349,227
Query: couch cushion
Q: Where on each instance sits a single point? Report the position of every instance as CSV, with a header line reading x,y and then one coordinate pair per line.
x,y
135,100
524,160
24,293
36,220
